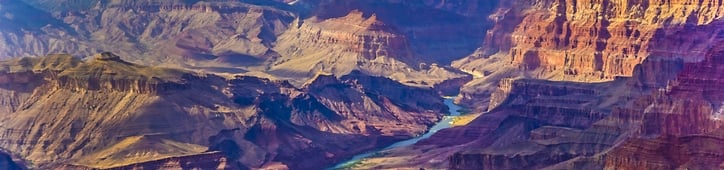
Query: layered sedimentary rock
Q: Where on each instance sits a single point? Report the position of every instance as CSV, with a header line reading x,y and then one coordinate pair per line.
x,y
279,40
598,39
106,112
681,127
666,116
675,126
379,38
586,41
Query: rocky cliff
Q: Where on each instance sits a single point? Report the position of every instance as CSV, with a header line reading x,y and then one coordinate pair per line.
x,y
106,112
586,41
284,40
379,38
600,39
664,117
681,127
674,126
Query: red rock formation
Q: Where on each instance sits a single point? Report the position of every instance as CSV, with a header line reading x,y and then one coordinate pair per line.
x,y
677,126
668,152
594,39
685,120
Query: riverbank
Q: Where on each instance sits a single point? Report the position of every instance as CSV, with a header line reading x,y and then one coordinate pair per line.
x,y
445,123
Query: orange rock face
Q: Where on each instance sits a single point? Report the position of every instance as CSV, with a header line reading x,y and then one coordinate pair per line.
x,y
576,40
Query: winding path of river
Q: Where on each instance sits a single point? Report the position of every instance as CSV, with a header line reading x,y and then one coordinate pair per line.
x,y
443,124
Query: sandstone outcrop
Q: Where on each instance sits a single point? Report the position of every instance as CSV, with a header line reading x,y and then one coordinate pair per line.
x,y
106,112
596,39
586,41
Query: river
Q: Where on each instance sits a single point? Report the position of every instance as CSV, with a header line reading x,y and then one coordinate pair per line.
x,y
445,123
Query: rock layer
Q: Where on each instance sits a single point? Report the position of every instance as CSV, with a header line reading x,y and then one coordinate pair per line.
x,y
676,126
106,112
600,39
586,41
284,40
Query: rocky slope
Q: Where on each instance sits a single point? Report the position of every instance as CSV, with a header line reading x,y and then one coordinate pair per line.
x,y
281,40
675,126
227,33
681,127
106,112
380,38
586,41
665,117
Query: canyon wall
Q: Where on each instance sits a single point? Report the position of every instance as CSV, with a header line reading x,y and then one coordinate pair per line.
x,y
674,126
597,39
586,41
106,112
262,38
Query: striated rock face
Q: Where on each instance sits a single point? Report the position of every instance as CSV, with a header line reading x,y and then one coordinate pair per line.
x,y
675,126
665,117
106,112
379,38
276,39
667,152
586,41
681,126
600,40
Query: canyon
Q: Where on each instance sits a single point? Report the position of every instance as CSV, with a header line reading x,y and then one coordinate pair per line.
x,y
307,84
259,38
650,120
106,112
585,41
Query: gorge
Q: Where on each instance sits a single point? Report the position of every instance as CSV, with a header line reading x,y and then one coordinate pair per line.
x,y
356,84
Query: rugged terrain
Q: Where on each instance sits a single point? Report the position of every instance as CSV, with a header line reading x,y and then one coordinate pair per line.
x,y
667,116
304,84
59,111
269,39
585,41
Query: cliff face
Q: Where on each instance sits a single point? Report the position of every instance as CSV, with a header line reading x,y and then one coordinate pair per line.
x,y
380,38
599,39
284,40
674,126
586,41
666,116
684,120
106,112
